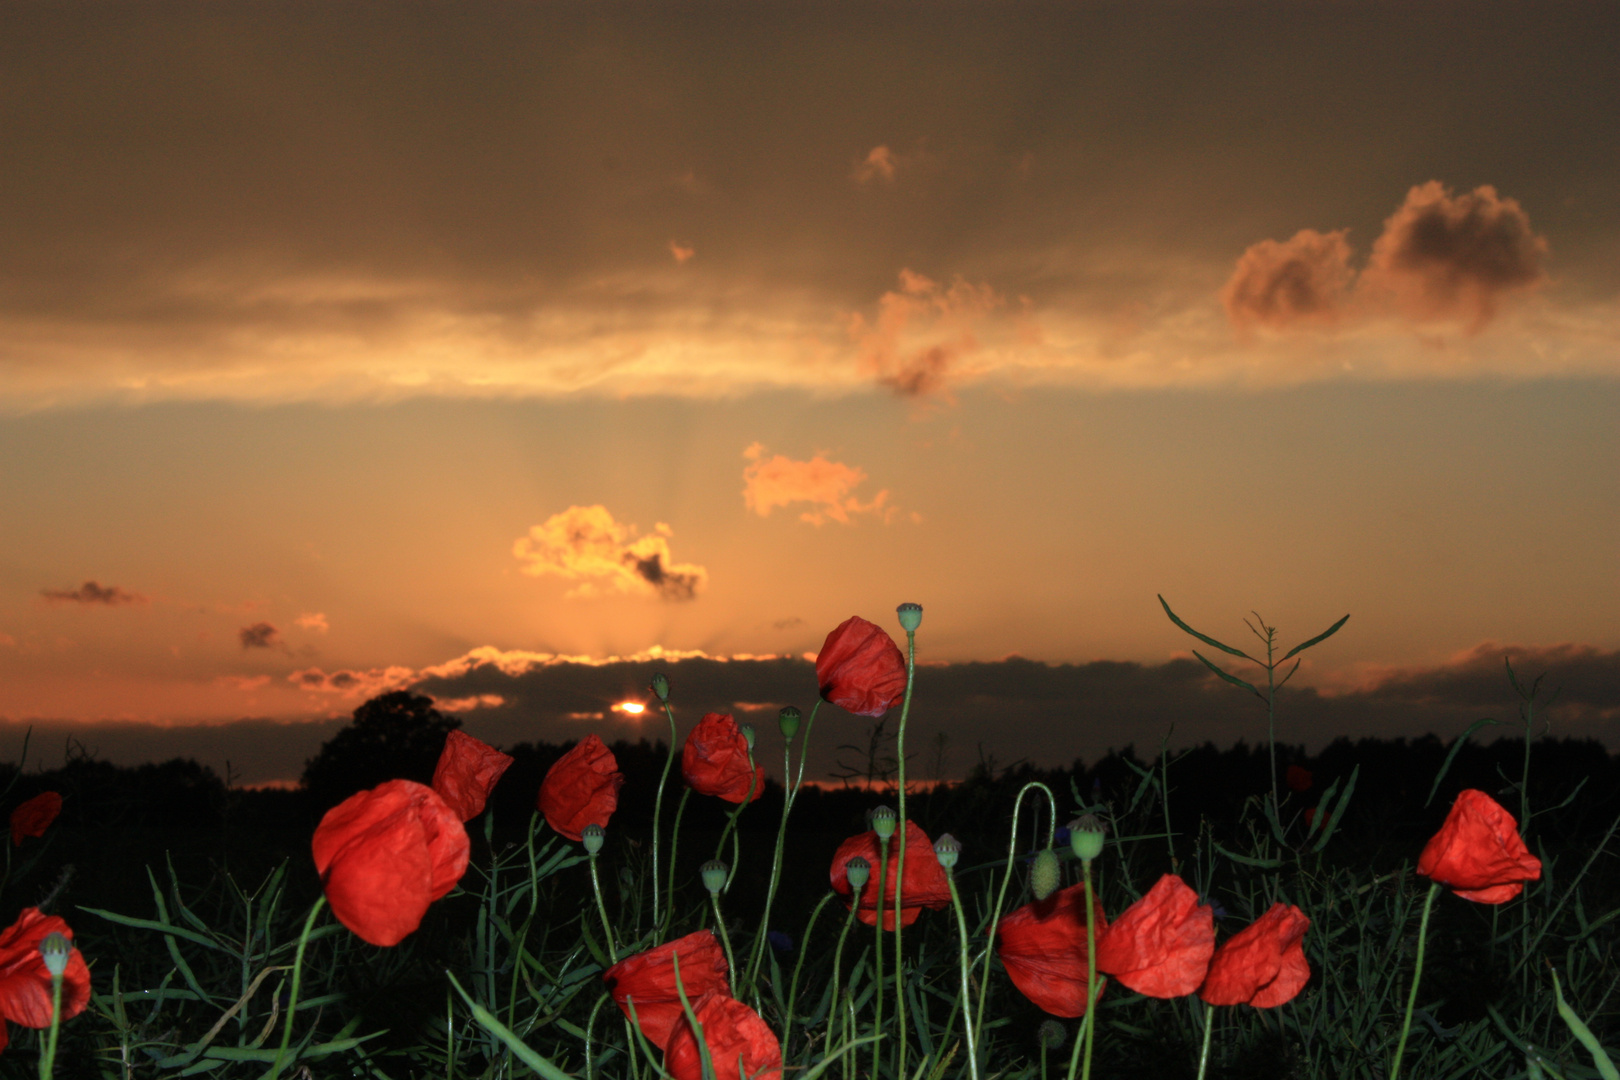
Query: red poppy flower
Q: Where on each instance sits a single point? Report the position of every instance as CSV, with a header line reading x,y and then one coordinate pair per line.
x,y
734,1033
1298,778
648,979
33,817
1160,946
925,884
384,855
581,788
467,772
1043,947
861,669
1478,852
25,982
1263,964
715,760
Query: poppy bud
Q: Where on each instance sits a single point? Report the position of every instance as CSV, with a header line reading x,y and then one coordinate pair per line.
x,y
1051,1034
883,822
858,872
1043,875
660,685
747,734
948,849
592,836
910,617
1086,837
55,949
788,721
714,875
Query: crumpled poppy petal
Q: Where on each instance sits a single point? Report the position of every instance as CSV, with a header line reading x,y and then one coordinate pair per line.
x,y
648,978
1263,964
733,1032
33,817
1043,947
925,885
25,981
384,855
1478,851
715,761
860,668
581,788
467,772
1160,946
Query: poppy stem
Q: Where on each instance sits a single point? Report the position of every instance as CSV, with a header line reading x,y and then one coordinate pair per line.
x,y
1417,976
590,1029
297,976
658,805
1001,897
674,845
900,861
756,951
962,955
601,909
1091,973
725,939
838,957
47,1060
1209,1025
877,960
798,966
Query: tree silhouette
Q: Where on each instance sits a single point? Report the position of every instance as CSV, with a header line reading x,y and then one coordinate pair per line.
x,y
396,736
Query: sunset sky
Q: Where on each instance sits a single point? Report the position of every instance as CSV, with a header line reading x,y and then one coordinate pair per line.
x,y
505,352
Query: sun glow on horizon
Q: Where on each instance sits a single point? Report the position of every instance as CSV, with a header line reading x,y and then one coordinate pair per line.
x,y
632,708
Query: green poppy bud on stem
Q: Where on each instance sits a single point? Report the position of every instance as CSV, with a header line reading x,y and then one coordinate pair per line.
x,y
1043,875
592,836
788,720
747,734
858,872
910,617
660,685
948,849
714,875
883,822
55,949
1086,837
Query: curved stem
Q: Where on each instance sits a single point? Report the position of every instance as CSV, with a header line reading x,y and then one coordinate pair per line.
x,y
297,976
590,1028
838,956
1417,976
798,965
962,957
601,909
756,951
674,844
725,939
658,805
731,822
1001,897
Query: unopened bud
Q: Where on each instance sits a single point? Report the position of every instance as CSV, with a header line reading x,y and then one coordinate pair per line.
x,y
948,849
788,720
1086,837
56,949
714,875
883,822
1043,875
858,871
592,836
1051,1034
910,617
660,685
747,734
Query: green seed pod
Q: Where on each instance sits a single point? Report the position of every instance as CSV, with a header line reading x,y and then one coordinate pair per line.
x,y
592,836
948,849
788,720
714,875
660,685
859,872
1044,874
748,735
56,949
1086,837
883,822
910,617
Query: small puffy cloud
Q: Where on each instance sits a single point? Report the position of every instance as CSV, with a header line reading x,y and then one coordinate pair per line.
x,y
879,164
314,621
1444,256
261,635
825,485
585,544
354,684
1305,279
681,253
922,331
92,593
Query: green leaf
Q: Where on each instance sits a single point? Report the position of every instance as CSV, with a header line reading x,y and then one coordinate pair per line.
x,y
1249,860
1323,636
506,1035
1233,679
1206,639
1445,765
1600,1058
1338,810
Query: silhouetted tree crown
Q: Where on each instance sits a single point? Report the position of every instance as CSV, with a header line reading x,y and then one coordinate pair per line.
x,y
396,736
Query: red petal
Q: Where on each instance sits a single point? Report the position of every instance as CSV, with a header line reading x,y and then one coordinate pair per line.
x,y
731,1030
467,772
925,885
648,978
715,761
1478,851
1160,946
1043,947
860,668
25,981
1263,964
34,816
581,788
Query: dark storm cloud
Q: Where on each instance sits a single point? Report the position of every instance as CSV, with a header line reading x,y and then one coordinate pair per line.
x,y
260,635
92,593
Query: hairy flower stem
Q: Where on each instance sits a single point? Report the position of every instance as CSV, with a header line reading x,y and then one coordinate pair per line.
x,y
900,859
47,1059
674,844
1090,1025
1001,896
798,966
1209,1025
756,951
962,958
877,961
838,956
658,805
590,1028
725,939
601,909
297,976
731,829
1417,976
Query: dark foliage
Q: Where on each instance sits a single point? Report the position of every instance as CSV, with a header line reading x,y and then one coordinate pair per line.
x,y
396,736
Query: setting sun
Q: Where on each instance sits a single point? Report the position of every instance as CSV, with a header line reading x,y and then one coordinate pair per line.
x,y
634,708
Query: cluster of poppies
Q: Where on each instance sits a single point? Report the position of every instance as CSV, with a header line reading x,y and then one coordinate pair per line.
x,y
740,1044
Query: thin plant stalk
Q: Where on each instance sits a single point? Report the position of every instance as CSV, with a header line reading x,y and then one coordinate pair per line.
x,y
877,960
756,951
47,1059
798,966
674,844
658,805
590,1029
838,958
725,938
962,957
1209,1025
1001,896
900,858
601,909
1091,977
1417,976
297,976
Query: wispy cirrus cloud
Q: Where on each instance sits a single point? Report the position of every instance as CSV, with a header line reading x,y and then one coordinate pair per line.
x,y
585,544
92,592
770,482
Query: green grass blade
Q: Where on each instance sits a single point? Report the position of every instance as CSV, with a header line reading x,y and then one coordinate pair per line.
x,y
1338,811
1205,638
1457,745
1233,679
1323,636
1600,1058
524,1054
